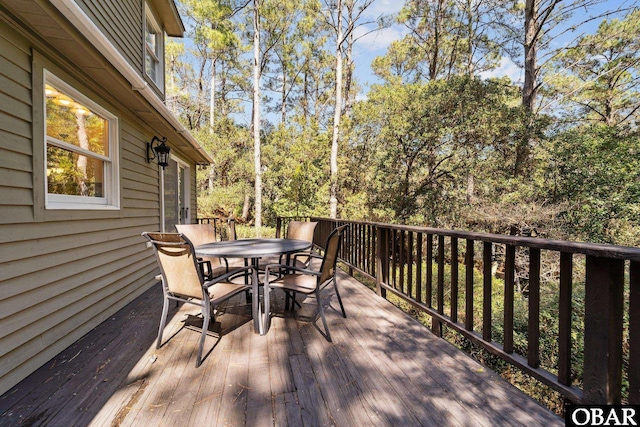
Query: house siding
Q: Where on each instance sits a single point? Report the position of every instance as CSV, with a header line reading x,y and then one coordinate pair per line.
x,y
63,272
16,195
122,22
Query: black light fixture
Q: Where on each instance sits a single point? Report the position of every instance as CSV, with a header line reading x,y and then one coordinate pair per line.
x,y
160,151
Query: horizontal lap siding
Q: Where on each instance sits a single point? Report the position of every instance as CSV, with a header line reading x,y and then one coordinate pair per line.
x,y
121,21
16,180
63,274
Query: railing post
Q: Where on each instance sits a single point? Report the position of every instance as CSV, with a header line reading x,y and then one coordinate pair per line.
x,y
564,318
382,260
278,227
603,320
634,333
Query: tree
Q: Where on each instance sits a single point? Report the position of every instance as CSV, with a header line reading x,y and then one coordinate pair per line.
x,y
336,14
600,73
594,175
450,37
257,71
425,137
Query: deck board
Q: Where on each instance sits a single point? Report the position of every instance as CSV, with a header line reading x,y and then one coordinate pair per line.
x,y
382,368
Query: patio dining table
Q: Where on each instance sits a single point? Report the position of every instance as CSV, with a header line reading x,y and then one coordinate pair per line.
x,y
253,249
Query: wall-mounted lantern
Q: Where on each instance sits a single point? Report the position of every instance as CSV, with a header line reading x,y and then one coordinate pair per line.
x,y
159,151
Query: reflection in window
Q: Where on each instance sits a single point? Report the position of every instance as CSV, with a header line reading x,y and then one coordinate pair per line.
x,y
79,148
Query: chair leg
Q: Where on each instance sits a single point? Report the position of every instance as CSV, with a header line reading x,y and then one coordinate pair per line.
x,y
264,319
163,321
327,334
206,310
335,286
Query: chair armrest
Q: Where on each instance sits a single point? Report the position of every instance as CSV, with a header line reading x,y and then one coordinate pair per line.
x,y
201,264
289,267
307,254
226,276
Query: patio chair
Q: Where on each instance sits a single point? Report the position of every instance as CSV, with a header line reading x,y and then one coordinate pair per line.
x,y
200,234
307,281
300,230
183,281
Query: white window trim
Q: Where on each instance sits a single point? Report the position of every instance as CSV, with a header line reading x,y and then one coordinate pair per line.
x,y
111,200
186,188
150,18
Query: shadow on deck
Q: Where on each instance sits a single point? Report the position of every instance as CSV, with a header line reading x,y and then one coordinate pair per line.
x,y
383,368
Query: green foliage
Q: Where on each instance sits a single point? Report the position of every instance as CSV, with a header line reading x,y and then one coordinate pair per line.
x,y
594,171
417,144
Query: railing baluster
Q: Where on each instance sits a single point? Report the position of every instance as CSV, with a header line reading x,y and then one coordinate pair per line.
x,y
634,333
419,267
394,258
603,330
373,245
436,324
402,259
533,349
487,281
468,297
454,279
509,285
410,265
428,285
564,318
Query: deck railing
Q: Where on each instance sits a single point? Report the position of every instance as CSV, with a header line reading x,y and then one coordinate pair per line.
x,y
402,259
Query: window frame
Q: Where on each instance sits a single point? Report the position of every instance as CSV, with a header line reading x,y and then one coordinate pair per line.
x,y
150,19
111,179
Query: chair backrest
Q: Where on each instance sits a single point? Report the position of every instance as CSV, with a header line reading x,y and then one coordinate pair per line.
x,y
301,230
178,265
332,249
198,234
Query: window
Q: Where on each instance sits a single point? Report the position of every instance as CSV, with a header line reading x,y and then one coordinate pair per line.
x,y
153,49
81,150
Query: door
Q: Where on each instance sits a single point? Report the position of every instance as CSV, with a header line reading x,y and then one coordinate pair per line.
x,y
176,194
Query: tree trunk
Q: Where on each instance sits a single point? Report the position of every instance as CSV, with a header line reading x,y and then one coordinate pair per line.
x,y
433,64
470,188
333,202
530,54
245,208
283,107
212,97
348,78
256,117
531,38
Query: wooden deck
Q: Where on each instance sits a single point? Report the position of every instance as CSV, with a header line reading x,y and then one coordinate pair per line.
x,y
383,369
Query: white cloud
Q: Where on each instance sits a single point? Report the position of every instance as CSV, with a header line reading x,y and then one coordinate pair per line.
x,y
377,41
506,68
384,7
